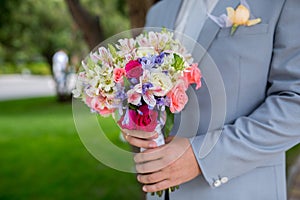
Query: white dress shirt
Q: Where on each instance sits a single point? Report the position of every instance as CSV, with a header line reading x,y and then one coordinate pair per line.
x,y
191,9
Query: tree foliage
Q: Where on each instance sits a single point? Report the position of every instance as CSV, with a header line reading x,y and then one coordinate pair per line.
x,y
33,30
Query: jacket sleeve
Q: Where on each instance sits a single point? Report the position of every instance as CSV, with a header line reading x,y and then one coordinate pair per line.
x,y
274,126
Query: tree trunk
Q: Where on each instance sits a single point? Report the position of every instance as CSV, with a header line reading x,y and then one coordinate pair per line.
x,y
137,12
88,23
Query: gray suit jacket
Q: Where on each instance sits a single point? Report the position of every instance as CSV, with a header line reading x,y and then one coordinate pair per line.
x,y
260,68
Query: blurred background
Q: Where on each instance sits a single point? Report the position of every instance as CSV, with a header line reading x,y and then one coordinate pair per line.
x,y
41,155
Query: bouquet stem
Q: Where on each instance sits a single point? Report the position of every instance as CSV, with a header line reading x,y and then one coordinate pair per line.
x,y
160,140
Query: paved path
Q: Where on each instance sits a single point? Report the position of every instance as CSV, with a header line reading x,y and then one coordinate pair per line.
x,y
24,86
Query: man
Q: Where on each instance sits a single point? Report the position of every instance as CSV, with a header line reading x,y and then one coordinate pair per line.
x,y
60,63
260,68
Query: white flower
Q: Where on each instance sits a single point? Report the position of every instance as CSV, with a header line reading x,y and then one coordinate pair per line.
x,y
126,46
94,58
77,92
163,40
105,70
105,56
143,41
163,81
145,51
92,92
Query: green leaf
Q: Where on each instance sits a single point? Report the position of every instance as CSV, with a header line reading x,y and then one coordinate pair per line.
x,y
169,123
159,193
126,83
178,62
112,50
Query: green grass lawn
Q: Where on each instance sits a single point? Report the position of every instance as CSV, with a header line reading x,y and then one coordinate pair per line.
x,y
42,157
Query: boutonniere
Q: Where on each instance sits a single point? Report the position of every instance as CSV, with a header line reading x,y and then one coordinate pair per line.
x,y
235,18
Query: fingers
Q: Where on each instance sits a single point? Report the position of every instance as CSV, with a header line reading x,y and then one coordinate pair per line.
x,y
162,185
153,166
146,144
141,134
149,155
152,178
140,138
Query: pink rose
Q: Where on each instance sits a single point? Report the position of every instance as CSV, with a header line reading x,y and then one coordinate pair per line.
x,y
118,75
88,101
146,120
104,111
98,104
193,74
133,69
177,96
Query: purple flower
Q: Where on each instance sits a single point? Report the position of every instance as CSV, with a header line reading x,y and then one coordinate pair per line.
x,y
160,101
147,62
121,95
160,58
134,81
125,120
165,72
145,87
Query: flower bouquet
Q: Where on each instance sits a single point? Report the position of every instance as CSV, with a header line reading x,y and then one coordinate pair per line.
x,y
140,81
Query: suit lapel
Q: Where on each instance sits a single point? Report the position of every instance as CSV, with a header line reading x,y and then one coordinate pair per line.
x,y
210,28
171,14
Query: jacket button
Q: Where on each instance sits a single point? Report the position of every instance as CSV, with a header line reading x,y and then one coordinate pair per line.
x,y
224,179
217,183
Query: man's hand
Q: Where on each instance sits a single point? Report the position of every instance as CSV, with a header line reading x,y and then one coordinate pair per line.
x,y
140,138
167,166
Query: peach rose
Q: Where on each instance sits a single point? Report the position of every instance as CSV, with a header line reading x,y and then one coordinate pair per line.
x,y
177,96
118,75
193,74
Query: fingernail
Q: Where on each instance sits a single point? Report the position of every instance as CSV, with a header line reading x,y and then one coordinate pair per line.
x,y
138,177
155,135
152,145
144,189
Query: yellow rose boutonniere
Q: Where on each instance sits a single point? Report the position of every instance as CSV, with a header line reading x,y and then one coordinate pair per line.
x,y
240,17
236,18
